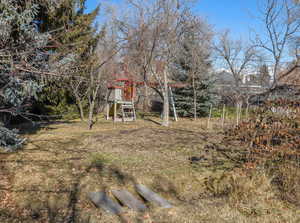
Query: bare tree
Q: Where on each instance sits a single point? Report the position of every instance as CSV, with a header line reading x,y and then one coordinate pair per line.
x,y
237,57
281,23
140,39
104,52
77,86
153,34
151,38
89,85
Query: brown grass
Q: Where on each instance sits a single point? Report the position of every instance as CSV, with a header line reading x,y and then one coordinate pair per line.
x,y
49,179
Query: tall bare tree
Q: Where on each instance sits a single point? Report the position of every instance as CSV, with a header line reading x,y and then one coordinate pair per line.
x,y
238,58
146,32
104,52
152,35
280,20
88,81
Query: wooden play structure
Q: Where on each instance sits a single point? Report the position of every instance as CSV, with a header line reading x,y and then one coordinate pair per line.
x,y
120,100
121,97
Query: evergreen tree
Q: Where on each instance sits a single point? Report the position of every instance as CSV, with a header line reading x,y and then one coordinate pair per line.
x,y
78,37
192,67
78,29
24,56
184,98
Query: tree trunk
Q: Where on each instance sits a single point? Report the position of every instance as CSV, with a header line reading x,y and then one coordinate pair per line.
x,y
195,98
92,107
238,111
1,121
92,98
166,101
81,111
91,113
146,98
80,108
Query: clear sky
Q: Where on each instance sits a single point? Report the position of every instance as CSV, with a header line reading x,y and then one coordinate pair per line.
x,y
236,15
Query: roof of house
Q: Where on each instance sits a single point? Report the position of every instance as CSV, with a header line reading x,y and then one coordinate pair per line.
x,y
291,75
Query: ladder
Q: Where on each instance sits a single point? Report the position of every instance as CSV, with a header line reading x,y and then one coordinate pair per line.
x,y
128,111
172,102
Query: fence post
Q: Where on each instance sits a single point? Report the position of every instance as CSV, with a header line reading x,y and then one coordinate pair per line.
x,y
238,113
209,117
247,111
223,116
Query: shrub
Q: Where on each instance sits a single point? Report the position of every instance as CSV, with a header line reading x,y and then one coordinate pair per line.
x,y
272,141
247,191
9,139
286,178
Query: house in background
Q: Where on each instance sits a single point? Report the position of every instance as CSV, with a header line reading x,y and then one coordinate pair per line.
x,y
287,87
231,90
290,75
255,82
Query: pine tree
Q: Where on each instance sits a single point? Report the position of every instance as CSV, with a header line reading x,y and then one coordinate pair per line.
x,y
24,55
184,98
192,67
76,41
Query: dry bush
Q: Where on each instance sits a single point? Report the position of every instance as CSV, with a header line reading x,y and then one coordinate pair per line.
x,y
287,181
272,139
272,130
247,192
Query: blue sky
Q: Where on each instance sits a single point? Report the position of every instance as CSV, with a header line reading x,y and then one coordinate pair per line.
x,y
236,15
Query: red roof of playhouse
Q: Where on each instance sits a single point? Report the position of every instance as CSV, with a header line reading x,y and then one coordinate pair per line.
x,y
125,76
118,78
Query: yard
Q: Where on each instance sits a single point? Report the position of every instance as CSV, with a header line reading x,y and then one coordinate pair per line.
x,y
49,179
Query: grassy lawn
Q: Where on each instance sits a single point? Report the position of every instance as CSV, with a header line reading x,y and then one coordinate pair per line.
x,y
49,179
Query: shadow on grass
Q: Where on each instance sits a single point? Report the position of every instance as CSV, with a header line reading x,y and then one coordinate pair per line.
x,y
153,121
46,211
30,128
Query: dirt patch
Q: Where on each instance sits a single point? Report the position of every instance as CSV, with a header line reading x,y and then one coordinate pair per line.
x,y
151,138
